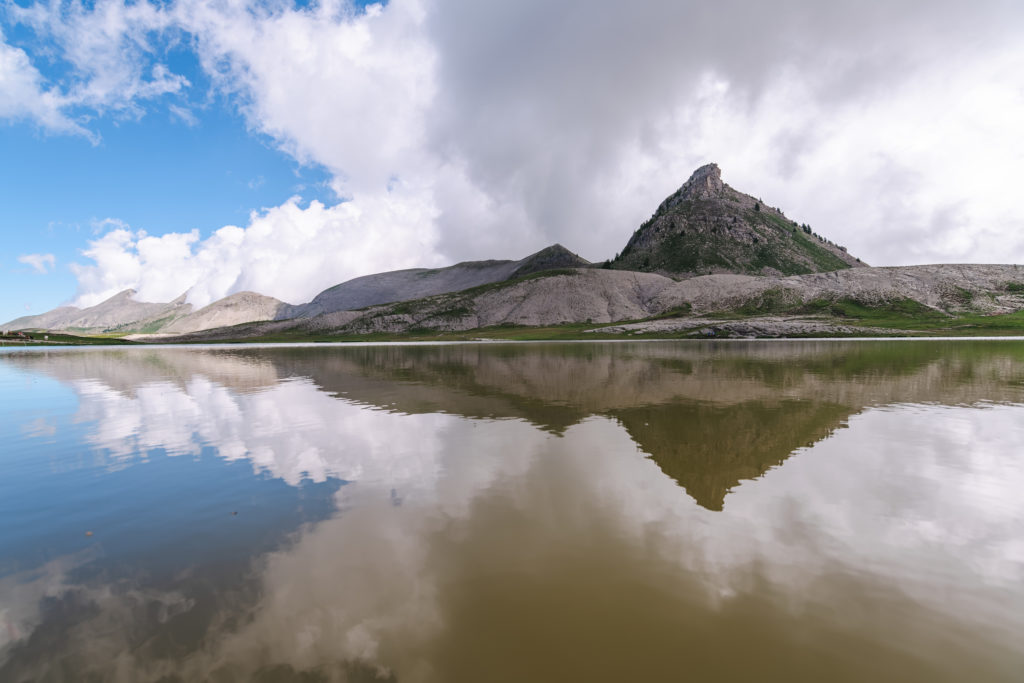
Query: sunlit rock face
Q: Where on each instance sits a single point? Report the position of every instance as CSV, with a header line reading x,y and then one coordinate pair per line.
x,y
538,512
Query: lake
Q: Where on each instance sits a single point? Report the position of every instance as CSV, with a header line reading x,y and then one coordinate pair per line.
x,y
643,511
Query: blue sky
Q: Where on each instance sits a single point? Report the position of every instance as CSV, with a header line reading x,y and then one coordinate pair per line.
x,y
151,170
425,132
156,174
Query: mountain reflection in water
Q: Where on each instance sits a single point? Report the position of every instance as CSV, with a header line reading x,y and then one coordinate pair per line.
x,y
502,512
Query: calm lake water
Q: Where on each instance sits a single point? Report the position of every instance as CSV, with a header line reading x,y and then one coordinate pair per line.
x,y
700,511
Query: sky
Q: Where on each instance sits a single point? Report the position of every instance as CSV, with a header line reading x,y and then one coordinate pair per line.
x,y
199,147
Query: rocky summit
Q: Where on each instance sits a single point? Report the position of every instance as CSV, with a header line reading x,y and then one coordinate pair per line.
x,y
707,227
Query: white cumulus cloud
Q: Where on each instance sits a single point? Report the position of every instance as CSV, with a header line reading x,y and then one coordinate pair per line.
x,y
111,50
24,95
288,252
348,90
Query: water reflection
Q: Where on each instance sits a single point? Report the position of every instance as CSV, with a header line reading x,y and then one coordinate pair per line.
x,y
853,512
290,430
709,448
709,415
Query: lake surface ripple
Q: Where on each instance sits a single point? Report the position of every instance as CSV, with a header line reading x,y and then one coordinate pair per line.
x,y
773,511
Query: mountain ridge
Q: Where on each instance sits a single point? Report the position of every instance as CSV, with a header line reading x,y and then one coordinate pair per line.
x,y
650,302
122,313
416,283
707,250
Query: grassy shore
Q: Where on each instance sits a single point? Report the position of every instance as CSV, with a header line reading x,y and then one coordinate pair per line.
x,y
62,339
920,321
890,320
887,322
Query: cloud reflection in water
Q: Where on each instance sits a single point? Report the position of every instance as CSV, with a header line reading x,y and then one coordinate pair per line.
x,y
469,546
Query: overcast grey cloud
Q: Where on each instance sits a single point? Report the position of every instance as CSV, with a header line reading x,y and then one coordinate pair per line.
x,y
587,114
459,129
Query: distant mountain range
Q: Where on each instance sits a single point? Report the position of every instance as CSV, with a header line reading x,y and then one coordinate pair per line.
x,y
706,249
121,314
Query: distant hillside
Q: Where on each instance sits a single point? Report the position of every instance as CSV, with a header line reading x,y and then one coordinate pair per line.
x,y
596,296
542,298
241,307
416,283
708,227
51,320
120,313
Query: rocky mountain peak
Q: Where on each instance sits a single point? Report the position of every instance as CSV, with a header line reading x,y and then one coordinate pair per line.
x,y
555,256
705,183
708,227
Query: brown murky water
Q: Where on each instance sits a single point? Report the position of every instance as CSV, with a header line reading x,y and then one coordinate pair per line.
x,y
774,511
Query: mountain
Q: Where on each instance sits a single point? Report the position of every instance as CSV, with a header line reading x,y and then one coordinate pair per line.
x,y
123,314
51,320
596,296
707,227
120,313
599,295
416,283
241,307
707,251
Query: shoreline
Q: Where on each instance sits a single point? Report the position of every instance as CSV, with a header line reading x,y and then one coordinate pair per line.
x,y
455,342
